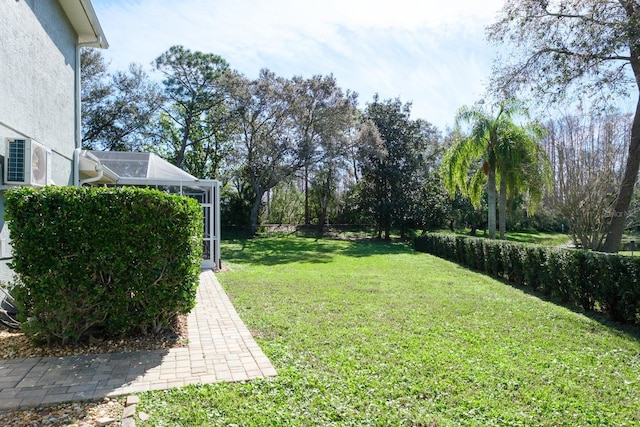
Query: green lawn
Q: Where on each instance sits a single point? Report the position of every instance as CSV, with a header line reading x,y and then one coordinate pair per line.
x,y
540,238
546,238
365,333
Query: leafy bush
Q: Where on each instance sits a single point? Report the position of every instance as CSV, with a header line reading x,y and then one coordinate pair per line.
x,y
590,280
104,261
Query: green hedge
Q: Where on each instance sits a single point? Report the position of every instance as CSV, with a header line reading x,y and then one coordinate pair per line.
x,y
102,261
590,280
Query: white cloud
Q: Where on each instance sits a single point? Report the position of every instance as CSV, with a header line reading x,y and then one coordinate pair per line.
x,y
428,52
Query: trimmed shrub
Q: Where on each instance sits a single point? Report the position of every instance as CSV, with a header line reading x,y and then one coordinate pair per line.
x,y
535,258
514,263
589,280
102,261
493,259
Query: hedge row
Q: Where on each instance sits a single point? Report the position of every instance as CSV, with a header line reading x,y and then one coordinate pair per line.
x,y
593,281
102,261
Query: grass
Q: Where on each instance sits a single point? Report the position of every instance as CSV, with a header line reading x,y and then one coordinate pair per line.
x,y
546,238
540,238
629,253
373,334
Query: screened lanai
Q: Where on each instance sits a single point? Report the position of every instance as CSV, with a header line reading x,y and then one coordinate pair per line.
x,y
119,168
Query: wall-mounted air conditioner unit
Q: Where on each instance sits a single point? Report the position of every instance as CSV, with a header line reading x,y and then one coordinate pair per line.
x,y
27,162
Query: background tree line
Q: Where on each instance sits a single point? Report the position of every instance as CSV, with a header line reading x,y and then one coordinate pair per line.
x,y
300,150
292,150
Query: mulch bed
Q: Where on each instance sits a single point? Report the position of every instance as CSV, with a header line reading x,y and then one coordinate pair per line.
x,y
14,344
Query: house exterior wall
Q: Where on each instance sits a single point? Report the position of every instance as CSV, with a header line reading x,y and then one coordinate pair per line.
x,y
37,87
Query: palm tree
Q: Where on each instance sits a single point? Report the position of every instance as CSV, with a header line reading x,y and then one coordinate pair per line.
x,y
495,148
523,167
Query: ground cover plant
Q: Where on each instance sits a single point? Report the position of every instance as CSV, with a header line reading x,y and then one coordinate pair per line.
x,y
367,333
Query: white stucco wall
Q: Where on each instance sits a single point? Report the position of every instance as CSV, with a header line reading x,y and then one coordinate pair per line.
x,y
37,87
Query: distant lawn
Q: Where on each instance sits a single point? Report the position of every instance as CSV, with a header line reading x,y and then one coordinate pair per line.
x,y
540,238
372,334
546,238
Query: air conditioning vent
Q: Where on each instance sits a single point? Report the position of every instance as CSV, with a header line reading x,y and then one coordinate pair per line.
x,y
27,162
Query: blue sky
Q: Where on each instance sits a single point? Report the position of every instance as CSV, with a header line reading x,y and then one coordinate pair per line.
x,y
432,53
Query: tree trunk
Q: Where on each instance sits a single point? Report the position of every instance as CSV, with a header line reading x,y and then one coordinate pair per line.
x,y
185,141
255,210
619,214
323,214
321,221
491,202
387,222
502,206
355,168
324,204
307,217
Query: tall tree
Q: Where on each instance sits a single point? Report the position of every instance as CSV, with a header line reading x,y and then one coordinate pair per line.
x,y
195,119
116,108
370,191
566,47
322,114
480,152
393,152
266,144
523,169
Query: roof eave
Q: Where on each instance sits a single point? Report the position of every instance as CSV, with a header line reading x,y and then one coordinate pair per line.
x,y
85,22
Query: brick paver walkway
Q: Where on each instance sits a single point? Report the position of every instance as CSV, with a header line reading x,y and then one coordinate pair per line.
x,y
220,348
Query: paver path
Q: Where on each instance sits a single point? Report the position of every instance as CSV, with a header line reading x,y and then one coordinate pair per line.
x,y
220,348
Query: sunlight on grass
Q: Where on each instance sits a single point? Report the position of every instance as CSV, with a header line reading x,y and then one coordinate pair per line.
x,y
629,253
546,238
366,333
540,238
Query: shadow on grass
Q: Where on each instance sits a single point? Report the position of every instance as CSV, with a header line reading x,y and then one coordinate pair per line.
x,y
286,250
630,330
290,249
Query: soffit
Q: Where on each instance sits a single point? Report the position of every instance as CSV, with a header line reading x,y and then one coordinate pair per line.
x,y
85,22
